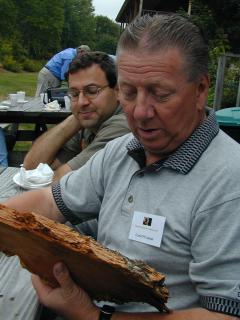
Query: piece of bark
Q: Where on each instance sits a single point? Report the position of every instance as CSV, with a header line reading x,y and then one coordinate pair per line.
x,y
105,274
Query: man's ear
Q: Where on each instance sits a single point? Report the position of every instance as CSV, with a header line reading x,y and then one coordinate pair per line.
x,y
202,91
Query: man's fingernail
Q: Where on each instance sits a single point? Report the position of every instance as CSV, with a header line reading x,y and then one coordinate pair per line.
x,y
59,268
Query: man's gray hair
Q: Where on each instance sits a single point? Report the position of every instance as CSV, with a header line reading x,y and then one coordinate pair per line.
x,y
163,31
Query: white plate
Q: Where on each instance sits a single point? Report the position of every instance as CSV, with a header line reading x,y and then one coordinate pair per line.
x,y
3,107
16,179
6,103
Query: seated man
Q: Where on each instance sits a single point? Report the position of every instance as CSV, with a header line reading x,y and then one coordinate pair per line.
x,y
176,172
96,117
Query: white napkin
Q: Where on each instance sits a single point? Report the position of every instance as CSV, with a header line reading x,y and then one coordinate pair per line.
x,y
42,174
2,107
52,106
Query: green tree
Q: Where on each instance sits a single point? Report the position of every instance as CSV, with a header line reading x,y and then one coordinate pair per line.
x,y
40,23
107,34
9,36
8,14
79,24
227,17
204,16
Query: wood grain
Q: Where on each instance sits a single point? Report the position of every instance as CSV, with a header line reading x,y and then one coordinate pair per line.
x,y
105,274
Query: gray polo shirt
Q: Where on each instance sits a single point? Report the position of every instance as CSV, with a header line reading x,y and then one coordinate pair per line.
x,y
196,189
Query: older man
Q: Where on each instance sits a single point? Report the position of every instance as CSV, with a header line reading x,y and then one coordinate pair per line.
x,y
177,169
96,117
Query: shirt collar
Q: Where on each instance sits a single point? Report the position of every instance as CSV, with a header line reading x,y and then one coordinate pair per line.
x,y
186,156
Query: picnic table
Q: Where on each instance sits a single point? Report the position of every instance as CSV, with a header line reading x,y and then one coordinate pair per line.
x,y
33,112
18,299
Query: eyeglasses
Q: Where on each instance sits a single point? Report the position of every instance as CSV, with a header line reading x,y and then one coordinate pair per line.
x,y
90,92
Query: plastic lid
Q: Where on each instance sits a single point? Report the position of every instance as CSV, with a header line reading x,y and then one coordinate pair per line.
x,y
229,116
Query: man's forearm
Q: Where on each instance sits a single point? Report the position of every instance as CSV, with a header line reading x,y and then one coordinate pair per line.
x,y
61,171
40,201
47,145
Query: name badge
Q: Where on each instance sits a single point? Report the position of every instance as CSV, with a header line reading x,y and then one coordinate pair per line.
x,y
147,228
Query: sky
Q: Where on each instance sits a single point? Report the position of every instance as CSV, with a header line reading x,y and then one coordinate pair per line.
x,y
109,8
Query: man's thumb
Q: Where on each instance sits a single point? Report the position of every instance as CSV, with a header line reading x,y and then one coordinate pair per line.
x,y
69,288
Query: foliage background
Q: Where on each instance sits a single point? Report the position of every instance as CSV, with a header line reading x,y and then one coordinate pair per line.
x,y
219,22
32,31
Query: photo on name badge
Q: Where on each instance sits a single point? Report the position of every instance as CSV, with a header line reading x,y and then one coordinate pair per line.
x,y
147,221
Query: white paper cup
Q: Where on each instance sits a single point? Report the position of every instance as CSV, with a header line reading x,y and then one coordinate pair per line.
x,y
67,103
42,97
13,97
21,96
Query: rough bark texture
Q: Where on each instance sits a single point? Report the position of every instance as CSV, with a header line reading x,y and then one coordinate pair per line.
x,y
105,274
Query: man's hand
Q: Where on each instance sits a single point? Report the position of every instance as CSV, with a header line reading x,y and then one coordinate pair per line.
x,y
68,299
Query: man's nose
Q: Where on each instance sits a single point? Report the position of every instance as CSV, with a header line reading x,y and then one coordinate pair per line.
x,y
82,99
143,107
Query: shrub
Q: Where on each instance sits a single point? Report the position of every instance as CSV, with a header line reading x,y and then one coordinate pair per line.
x,y
32,65
5,49
231,82
12,65
18,52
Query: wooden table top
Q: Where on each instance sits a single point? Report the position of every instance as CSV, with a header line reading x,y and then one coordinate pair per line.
x,y
18,298
33,112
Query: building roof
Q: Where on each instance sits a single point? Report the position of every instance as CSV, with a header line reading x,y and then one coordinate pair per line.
x,y
130,8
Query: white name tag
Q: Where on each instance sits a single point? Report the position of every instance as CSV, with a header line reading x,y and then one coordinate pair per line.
x,y
147,228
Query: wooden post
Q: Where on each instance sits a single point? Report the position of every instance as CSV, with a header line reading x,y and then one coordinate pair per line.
x,y
238,95
219,83
140,8
189,7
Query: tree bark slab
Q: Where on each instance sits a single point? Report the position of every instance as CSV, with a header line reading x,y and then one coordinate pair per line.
x,y
105,274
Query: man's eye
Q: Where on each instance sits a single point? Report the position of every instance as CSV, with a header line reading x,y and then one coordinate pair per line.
x,y
91,90
74,94
159,96
128,94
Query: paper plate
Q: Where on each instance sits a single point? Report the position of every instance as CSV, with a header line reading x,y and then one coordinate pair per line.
x,y
3,107
16,179
6,103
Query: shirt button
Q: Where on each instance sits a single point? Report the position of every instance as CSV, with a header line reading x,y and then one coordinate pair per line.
x,y
130,199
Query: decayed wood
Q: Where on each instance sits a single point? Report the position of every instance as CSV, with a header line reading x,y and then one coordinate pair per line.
x,y
105,274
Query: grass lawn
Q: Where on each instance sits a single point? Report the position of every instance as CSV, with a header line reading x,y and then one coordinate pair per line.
x,y
11,82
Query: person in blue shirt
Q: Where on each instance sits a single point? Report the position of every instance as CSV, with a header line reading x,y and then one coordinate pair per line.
x,y
3,150
51,75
